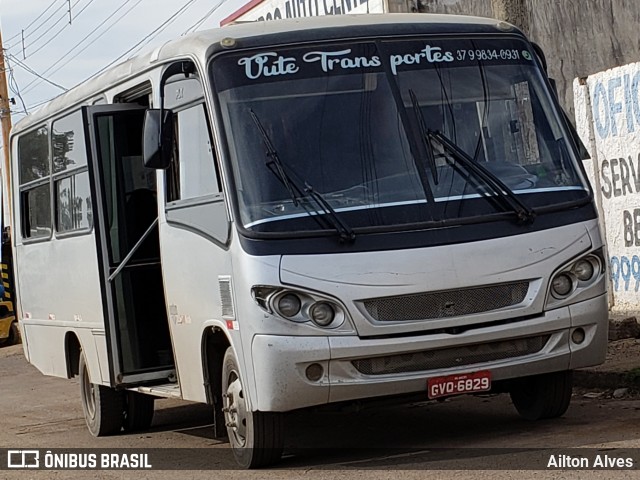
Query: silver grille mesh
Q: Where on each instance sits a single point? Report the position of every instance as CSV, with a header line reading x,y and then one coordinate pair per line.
x,y
446,303
450,357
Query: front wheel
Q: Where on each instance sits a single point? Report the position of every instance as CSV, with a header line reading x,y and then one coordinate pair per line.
x,y
138,411
103,407
256,438
543,396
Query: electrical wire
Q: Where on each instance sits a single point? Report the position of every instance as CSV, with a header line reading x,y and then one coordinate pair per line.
x,y
199,23
48,70
135,48
145,41
149,37
35,29
41,102
13,84
48,41
33,72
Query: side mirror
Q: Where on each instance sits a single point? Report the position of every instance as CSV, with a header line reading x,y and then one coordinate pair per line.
x,y
157,138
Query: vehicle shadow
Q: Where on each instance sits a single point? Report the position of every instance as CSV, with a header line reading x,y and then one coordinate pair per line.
x,y
473,432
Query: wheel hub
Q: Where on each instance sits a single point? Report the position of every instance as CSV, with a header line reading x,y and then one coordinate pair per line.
x,y
235,411
89,395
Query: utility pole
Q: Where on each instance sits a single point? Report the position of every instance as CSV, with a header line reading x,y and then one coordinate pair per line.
x,y
5,120
512,11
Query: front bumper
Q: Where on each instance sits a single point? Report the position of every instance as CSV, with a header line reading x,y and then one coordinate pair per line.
x,y
280,362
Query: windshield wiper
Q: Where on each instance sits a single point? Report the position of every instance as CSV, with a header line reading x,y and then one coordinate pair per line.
x,y
272,153
276,166
417,153
346,233
510,200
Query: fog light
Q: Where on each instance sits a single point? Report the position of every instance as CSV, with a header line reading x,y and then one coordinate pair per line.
x,y
578,336
314,372
289,305
584,270
322,314
562,284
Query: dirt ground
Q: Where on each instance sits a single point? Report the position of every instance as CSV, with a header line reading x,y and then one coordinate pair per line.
x,y
45,412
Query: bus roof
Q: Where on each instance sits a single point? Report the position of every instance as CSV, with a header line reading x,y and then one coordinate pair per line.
x,y
198,44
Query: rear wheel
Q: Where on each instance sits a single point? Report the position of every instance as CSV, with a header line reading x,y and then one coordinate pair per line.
x,y
103,406
256,438
543,396
138,412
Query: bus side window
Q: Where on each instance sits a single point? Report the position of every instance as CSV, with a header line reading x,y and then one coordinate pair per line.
x,y
35,187
73,209
193,171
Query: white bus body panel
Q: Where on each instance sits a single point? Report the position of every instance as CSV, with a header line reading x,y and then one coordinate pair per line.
x,y
191,266
67,300
280,360
359,276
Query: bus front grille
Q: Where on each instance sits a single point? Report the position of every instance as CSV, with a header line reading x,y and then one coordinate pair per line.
x,y
446,303
450,357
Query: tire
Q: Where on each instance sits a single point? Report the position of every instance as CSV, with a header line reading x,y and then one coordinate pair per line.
x,y
138,411
543,396
103,407
14,334
256,438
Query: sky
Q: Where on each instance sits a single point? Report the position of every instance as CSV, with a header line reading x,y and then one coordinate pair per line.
x,y
100,32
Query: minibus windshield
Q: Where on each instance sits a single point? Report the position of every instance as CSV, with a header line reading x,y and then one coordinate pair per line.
x,y
389,133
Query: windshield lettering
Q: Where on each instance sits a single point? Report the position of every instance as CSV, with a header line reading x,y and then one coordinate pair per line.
x,y
428,53
257,65
328,61
271,64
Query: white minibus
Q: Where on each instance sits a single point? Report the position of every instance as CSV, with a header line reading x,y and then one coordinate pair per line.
x,y
279,215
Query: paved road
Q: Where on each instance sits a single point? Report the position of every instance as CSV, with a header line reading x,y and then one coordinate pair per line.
x,y
475,432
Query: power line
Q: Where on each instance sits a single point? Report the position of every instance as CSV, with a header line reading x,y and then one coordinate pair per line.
x,y
41,102
13,85
150,36
50,67
38,27
164,25
65,26
144,41
199,23
64,16
33,72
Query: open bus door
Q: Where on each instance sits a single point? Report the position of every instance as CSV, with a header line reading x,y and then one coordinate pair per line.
x,y
125,216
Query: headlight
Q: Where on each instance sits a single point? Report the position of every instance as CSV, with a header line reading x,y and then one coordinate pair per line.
x,y
301,307
577,276
584,270
562,285
288,305
322,314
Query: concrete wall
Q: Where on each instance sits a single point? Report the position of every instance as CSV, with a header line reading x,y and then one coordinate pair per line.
x,y
579,37
608,120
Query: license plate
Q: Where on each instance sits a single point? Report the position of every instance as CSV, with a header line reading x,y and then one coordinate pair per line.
x,y
459,384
